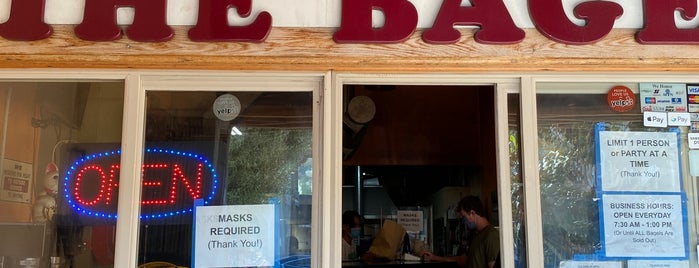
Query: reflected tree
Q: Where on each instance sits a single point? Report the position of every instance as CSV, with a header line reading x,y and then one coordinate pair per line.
x,y
568,194
263,163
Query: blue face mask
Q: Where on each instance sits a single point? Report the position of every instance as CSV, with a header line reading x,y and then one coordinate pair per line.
x,y
469,224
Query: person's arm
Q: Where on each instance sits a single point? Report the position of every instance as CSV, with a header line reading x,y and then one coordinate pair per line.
x,y
460,260
491,264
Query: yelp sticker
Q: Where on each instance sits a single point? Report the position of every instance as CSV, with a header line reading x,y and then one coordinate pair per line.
x,y
621,99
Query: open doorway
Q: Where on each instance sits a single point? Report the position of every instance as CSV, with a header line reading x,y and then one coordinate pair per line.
x,y
419,148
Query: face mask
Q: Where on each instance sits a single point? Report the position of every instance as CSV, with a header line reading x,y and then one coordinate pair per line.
x,y
470,225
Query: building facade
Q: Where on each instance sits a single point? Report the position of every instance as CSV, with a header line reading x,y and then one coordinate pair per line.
x,y
120,127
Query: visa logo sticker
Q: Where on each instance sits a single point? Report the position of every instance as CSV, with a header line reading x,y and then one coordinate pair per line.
x,y
692,89
655,119
678,119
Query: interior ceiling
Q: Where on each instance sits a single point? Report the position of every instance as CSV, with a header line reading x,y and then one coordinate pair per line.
x,y
424,125
423,138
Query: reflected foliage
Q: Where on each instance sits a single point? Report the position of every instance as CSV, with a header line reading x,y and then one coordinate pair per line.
x,y
568,197
263,163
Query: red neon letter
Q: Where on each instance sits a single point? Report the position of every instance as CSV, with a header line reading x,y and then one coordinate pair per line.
x,y
551,21
492,17
195,191
356,25
149,24
152,184
111,184
660,25
26,22
212,24
78,181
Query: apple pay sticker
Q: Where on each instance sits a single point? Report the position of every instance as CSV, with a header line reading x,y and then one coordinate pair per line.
x,y
655,119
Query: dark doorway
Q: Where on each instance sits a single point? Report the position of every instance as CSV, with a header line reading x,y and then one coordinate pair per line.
x,y
424,147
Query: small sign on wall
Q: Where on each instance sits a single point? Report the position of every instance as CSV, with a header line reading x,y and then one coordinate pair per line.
x,y
411,220
16,181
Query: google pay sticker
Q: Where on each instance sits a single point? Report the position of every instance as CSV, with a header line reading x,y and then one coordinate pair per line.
x,y
678,119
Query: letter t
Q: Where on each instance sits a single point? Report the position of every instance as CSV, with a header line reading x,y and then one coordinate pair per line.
x,y
26,22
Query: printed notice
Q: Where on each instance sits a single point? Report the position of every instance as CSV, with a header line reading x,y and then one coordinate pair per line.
x,y
16,181
591,264
411,220
234,236
639,161
658,264
649,226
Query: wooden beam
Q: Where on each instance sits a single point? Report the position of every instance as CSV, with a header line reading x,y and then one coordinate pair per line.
x,y
312,49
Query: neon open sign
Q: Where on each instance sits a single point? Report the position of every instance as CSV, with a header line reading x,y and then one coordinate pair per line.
x,y
171,181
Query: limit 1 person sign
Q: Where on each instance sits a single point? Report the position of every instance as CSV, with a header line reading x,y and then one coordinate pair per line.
x,y
638,161
234,236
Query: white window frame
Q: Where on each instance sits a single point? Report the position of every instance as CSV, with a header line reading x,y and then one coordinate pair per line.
x,y
237,82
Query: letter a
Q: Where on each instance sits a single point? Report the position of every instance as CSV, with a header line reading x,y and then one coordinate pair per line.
x,y
26,22
551,21
492,16
212,24
660,25
356,24
149,24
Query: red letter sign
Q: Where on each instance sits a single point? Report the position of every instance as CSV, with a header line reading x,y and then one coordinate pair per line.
x,y
551,21
660,22
212,24
149,24
355,27
26,22
496,24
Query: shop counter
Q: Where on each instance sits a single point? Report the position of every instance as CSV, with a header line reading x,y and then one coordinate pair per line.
x,y
388,264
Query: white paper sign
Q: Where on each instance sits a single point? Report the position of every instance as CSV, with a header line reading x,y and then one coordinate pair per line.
x,y
590,264
658,264
639,161
16,181
650,226
411,220
693,140
693,162
234,236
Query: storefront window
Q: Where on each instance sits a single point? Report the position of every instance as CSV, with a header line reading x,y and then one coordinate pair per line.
x,y
57,190
245,160
605,171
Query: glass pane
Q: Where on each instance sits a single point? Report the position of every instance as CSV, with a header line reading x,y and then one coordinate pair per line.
x,y
517,188
582,136
246,157
59,143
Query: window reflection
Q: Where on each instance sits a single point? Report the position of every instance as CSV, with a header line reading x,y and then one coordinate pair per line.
x,y
260,156
47,127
